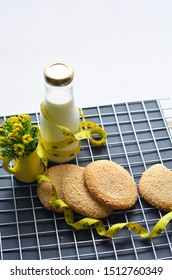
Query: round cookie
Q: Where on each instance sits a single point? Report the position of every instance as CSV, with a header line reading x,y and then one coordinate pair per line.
x,y
111,184
56,174
79,198
155,186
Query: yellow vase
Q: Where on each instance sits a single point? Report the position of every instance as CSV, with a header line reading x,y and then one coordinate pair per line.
x,y
25,169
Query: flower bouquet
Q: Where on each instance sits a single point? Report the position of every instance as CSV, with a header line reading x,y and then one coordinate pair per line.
x,y
19,141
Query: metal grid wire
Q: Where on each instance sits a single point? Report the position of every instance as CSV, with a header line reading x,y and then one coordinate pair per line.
x,y
137,137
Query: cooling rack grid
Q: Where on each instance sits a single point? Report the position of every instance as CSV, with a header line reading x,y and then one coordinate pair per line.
x,y
138,136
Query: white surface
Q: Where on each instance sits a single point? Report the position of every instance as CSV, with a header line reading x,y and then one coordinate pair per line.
x,y
121,50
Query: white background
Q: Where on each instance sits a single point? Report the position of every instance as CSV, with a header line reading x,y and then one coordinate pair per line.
x,y
121,50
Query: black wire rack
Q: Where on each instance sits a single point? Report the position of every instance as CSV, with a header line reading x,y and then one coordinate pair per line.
x,y
138,136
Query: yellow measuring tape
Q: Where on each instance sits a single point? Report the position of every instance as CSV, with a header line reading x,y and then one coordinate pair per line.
x,y
98,224
86,131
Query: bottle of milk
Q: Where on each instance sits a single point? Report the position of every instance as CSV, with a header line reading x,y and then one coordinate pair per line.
x,y
59,107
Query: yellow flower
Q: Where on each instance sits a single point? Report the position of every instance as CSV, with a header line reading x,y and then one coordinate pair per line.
x,y
19,149
13,135
24,118
3,124
13,119
17,127
1,130
18,138
2,141
27,138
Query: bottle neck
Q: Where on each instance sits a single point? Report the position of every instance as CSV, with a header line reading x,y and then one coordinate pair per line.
x,y
58,95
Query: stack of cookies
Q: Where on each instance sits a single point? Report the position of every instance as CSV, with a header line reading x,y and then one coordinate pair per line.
x,y
92,191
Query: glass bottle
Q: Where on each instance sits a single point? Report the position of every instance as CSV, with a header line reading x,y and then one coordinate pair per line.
x,y
59,107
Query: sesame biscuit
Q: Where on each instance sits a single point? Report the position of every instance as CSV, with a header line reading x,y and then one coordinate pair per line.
x,y
155,186
56,174
111,184
79,198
